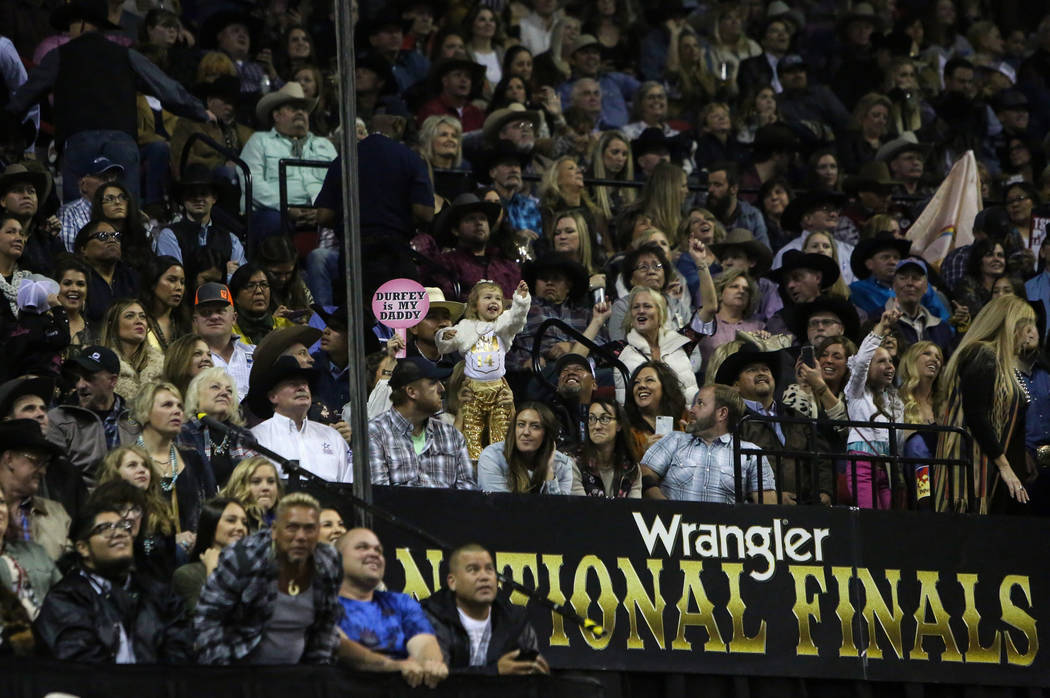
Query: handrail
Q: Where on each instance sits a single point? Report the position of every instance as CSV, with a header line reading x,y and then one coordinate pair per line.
x,y
231,156
537,368
894,460
282,182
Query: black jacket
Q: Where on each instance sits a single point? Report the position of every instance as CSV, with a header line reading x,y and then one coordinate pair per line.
x,y
78,624
796,475
510,630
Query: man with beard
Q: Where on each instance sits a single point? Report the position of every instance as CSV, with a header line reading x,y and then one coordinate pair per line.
x,y
478,630
407,445
109,277
102,612
697,464
24,457
753,374
274,597
383,631
723,184
572,401
470,222
802,278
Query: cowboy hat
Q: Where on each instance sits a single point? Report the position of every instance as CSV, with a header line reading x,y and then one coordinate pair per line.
x,y
16,174
862,12
437,300
748,354
574,272
464,205
872,176
15,388
801,205
653,140
495,121
744,239
219,20
269,350
502,151
868,247
291,92
842,308
196,176
94,11
901,144
795,259
441,68
225,87
262,382
381,67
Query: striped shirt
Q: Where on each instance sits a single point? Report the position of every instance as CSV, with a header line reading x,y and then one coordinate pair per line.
x,y
691,469
443,463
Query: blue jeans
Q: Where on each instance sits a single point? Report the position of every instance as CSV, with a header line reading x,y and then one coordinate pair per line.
x,y
156,171
83,147
321,267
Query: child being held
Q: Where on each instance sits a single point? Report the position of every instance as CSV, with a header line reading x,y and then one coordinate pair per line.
x,y
484,336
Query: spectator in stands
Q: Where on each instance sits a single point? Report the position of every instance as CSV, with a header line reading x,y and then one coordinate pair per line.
x,y
920,389
108,71
380,630
826,316
288,111
606,465
28,575
442,461
102,611
816,211
213,393
874,264
23,465
484,43
818,390
257,314
386,35
723,185
23,193
537,27
820,242
213,319
163,289
872,192
256,485
911,288
478,630
281,394
332,526
617,88
572,399
259,581
758,71
441,314
812,106
802,277
152,524
76,214
233,32
90,427
983,393
905,156
470,221
332,359
655,392
198,191
527,461
612,160
668,467
871,118
99,244
221,96
455,82
222,523
739,250
738,300
124,332
649,110
504,166
115,204
184,359
377,91
987,264
773,150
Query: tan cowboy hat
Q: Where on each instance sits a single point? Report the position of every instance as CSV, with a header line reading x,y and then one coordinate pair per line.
x,y
745,240
291,92
902,144
437,300
20,173
501,117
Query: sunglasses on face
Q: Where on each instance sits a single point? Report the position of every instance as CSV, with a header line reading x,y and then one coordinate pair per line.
x,y
104,235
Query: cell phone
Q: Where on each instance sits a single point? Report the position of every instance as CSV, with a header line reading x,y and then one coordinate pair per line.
x,y
528,655
664,425
808,356
295,315
598,295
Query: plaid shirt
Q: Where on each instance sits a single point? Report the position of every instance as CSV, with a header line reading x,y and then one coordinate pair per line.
x,y
690,469
443,463
74,216
238,599
523,212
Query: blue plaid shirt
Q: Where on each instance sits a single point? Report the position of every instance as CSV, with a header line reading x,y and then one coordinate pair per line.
x,y
523,212
444,462
691,469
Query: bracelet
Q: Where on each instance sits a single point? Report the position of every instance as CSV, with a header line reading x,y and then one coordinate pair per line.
x,y
386,373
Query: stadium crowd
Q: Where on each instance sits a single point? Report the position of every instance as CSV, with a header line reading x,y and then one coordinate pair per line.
x,y
720,196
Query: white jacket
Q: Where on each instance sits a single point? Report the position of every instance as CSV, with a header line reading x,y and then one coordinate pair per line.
x,y
468,331
672,353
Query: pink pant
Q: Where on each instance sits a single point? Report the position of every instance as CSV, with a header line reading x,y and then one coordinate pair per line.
x,y
863,497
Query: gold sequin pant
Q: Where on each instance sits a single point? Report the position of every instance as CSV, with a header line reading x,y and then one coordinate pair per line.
x,y
492,406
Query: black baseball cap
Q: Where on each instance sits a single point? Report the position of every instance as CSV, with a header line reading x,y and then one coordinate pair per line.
x,y
97,358
413,368
572,360
213,292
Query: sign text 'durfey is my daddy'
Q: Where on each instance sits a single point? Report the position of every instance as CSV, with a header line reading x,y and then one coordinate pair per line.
x,y
400,304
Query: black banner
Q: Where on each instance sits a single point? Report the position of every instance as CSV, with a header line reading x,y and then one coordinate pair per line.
x,y
755,590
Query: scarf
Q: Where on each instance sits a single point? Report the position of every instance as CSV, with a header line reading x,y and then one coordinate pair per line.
x,y
254,326
11,289
594,487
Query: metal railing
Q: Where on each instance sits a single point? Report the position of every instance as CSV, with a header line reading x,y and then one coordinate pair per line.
x,y
282,182
899,467
230,155
597,351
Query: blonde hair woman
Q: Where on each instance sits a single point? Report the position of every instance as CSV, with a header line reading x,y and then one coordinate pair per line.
x,y
985,396
441,141
663,197
214,393
124,330
561,189
819,242
257,486
133,464
612,160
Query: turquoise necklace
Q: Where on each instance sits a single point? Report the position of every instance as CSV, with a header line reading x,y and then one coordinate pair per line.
x,y
167,483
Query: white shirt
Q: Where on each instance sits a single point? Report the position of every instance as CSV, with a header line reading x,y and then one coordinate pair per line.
x,y
240,365
479,632
318,447
534,35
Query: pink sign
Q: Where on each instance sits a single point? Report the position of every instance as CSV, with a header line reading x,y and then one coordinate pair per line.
x,y
400,304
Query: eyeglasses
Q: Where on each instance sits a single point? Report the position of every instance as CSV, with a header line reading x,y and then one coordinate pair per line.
x,y
114,198
604,419
645,266
257,285
131,512
104,235
1018,199
111,529
523,125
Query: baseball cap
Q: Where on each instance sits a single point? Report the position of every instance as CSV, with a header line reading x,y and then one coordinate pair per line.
x,y
414,368
792,61
213,292
101,165
97,358
572,360
913,262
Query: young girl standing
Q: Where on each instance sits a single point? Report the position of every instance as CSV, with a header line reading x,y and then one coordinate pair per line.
x,y
484,336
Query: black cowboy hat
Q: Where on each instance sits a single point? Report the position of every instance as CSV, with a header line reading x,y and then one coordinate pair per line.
x,y
502,151
464,205
387,17
653,139
579,280
791,220
866,248
197,176
796,259
25,435
748,354
841,307
265,380
381,67
226,87
745,239
20,387
217,21
443,67
94,11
